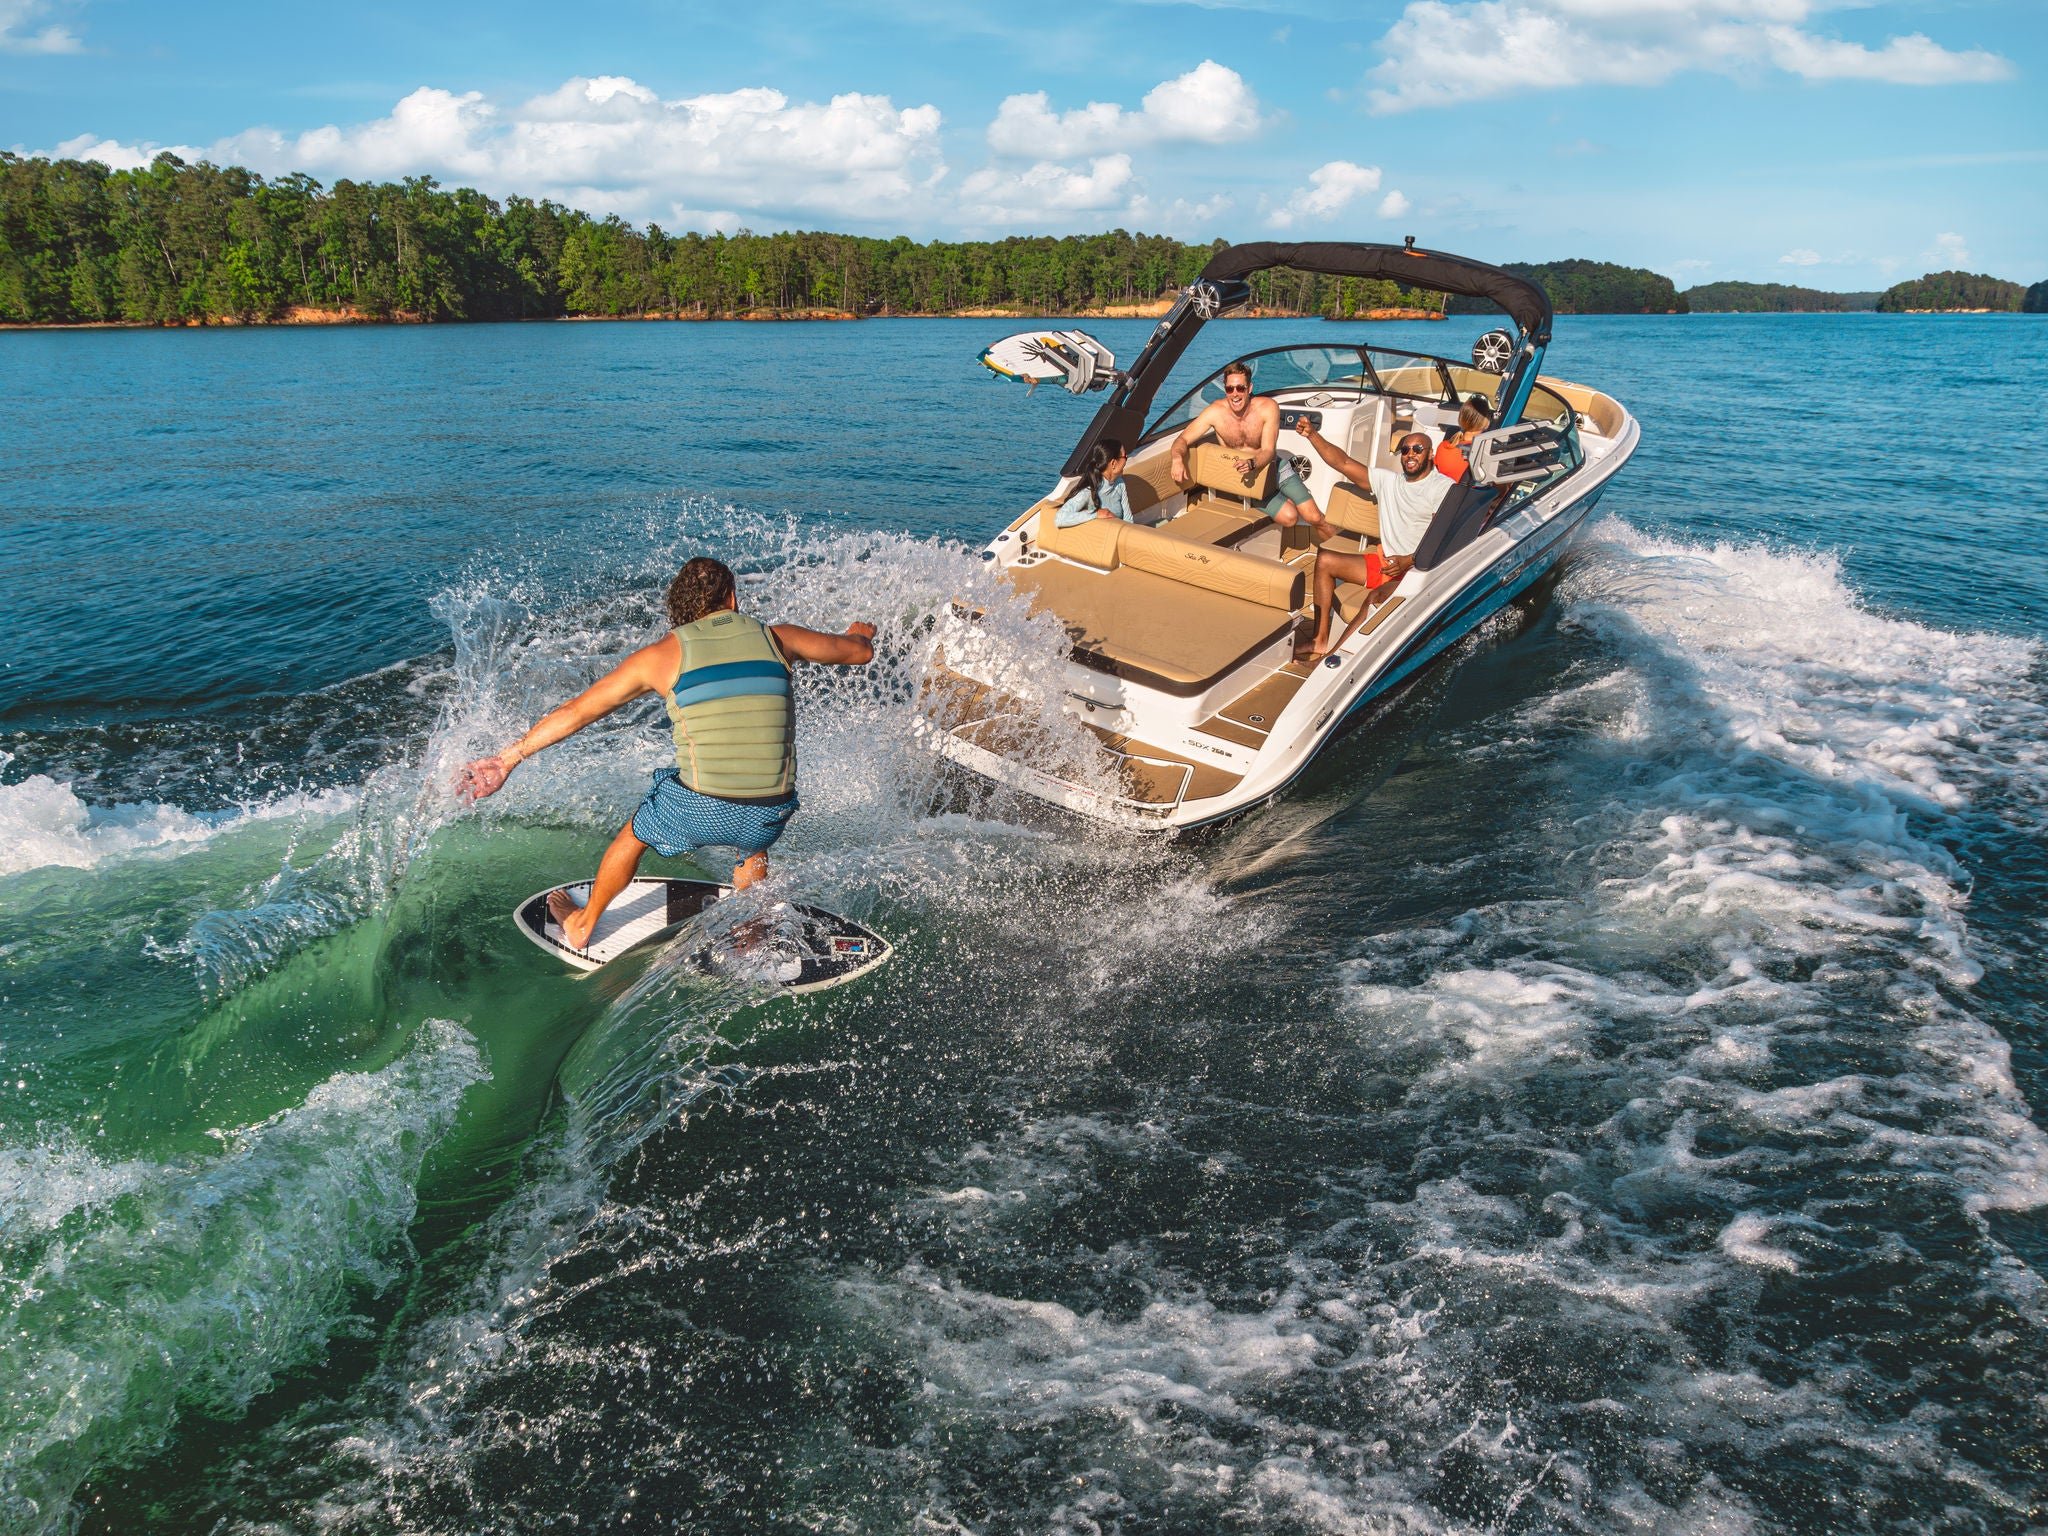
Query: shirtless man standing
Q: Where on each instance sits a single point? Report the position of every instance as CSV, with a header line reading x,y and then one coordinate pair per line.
x,y
1249,422
1407,502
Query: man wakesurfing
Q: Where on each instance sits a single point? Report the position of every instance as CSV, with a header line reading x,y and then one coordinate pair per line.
x,y
725,678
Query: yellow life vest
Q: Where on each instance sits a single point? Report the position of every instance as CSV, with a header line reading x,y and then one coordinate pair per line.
x,y
733,710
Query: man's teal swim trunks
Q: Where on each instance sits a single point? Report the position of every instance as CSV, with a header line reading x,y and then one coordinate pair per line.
x,y
674,819
1289,489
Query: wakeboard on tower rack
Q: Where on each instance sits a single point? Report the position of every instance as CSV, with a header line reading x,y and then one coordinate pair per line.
x,y
1074,360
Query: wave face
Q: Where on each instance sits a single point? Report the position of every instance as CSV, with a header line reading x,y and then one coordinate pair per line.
x,y
1597,1099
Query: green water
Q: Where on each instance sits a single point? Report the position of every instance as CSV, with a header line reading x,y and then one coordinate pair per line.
x,y
1600,1097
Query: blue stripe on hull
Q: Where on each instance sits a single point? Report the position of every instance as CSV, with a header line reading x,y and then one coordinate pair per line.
x,y
1491,595
1456,623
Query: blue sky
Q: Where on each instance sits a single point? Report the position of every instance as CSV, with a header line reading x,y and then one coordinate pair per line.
x,y
1839,145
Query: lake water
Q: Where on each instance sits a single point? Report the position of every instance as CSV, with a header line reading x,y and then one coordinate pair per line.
x,y
1601,1097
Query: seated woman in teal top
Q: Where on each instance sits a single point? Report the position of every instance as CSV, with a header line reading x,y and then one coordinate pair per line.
x,y
1104,494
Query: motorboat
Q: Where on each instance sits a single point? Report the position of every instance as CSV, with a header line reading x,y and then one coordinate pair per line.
x,y
1181,669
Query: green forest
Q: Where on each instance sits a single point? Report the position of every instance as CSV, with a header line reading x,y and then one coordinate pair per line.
x,y
1952,290
1771,299
2036,301
178,244
175,243
1591,288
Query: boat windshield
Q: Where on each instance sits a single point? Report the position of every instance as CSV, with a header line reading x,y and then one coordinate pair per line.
x,y
1341,373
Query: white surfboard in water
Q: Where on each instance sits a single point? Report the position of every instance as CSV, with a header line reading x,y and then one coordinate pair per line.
x,y
797,947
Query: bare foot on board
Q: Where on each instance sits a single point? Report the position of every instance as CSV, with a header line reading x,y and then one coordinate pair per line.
x,y
570,919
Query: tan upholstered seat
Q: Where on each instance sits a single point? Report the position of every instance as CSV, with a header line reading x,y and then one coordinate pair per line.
x,y
1353,510
1150,486
1250,577
1092,543
1107,543
1212,466
1212,522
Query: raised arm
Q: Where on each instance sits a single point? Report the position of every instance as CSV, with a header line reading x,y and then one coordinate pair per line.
x,y
855,648
1334,456
647,670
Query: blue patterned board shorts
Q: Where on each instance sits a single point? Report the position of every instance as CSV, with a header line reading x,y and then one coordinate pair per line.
x,y
674,819
1288,489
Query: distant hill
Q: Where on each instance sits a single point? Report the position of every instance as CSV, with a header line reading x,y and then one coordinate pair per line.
x,y
1590,288
1770,298
2036,301
1952,290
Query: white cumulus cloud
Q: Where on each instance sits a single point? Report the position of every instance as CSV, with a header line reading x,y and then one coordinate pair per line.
x,y
619,146
18,16
115,155
1210,104
1949,249
1330,190
1915,59
1394,204
1048,190
1442,52
1188,220
1800,258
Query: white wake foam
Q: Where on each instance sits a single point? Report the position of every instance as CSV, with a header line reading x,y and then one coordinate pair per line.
x,y
136,1292
1730,1032
1792,665
44,822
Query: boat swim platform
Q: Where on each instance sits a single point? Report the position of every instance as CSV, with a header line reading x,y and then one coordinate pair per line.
x,y
1013,728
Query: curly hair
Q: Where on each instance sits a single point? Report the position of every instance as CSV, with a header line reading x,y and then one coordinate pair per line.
x,y
703,586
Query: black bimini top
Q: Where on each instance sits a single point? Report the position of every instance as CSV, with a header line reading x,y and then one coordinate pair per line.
x,y
1123,414
1528,304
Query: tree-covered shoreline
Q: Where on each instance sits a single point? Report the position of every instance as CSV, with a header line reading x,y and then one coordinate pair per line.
x,y
1591,288
1735,298
179,244
1952,291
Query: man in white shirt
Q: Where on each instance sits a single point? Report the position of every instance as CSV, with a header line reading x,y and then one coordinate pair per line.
x,y
1407,501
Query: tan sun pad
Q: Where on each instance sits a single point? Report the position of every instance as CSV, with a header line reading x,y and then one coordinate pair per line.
x,y
1158,631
